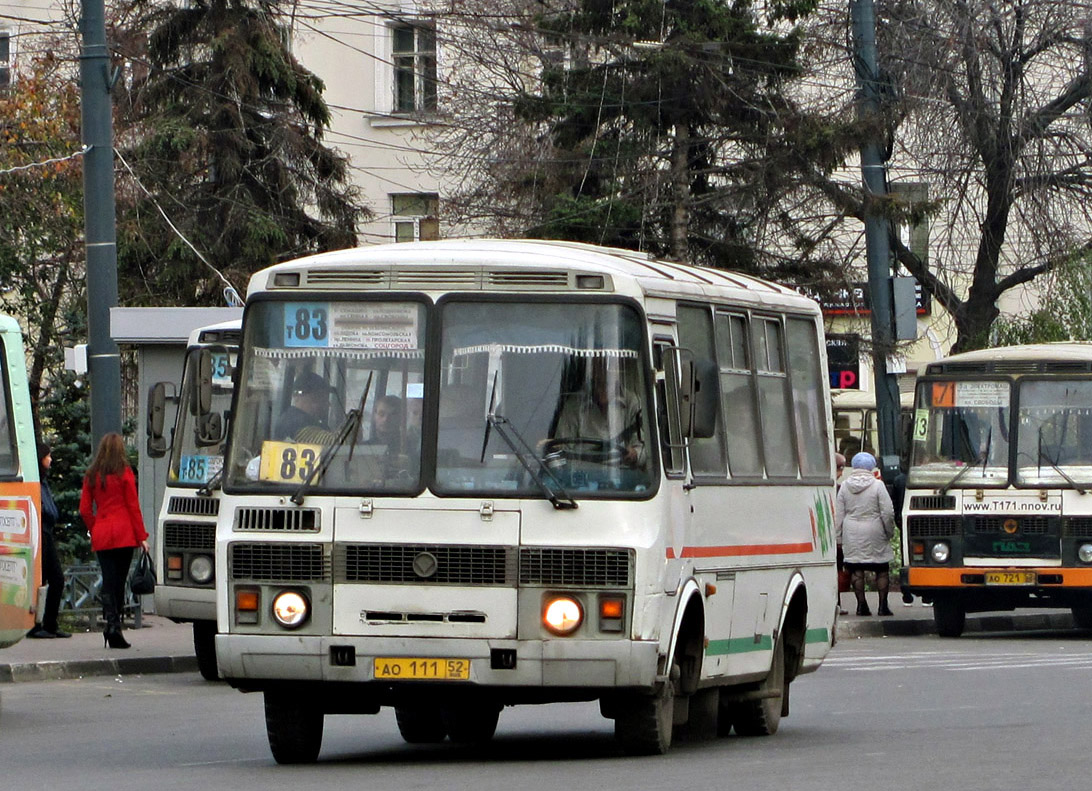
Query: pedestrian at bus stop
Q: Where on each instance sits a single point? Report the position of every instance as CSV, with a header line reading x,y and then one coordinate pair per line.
x,y
864,526
52,571
111,511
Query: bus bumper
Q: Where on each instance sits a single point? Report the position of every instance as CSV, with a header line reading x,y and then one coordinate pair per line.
x,y
180,603
538,664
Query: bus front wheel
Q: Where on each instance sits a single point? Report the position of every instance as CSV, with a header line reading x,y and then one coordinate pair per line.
x,y
1082,616
204,647
294,728
643,723
949,617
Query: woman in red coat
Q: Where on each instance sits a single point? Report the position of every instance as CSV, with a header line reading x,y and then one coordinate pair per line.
x,y
111,511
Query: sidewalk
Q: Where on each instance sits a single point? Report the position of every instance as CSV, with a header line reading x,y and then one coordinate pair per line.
x,y
917,619
160,646
165,647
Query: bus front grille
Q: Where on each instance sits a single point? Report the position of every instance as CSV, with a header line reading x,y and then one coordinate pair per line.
x,y
425,564
938,502
184,535
1077,526
1024,525
278,562
194,506
933,526
576,567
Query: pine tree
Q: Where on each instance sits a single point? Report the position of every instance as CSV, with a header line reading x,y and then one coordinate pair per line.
x,y
223,130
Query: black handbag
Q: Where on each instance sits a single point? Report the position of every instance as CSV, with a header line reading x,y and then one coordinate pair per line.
x,y
142,579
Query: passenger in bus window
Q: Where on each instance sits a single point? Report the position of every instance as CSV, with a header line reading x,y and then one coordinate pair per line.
x,y
605,413
864,526
387,419
305,418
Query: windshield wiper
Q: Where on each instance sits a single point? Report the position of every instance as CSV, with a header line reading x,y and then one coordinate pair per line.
x,y
1053,463
539,472
212,485
959,475
350,427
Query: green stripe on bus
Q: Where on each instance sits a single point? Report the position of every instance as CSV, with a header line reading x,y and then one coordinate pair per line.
x,y
743,645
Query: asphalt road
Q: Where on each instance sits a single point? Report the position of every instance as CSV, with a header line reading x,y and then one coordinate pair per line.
x,y
984,712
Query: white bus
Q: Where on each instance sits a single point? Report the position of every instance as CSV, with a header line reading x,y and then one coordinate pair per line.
x,y
185,534
855,424
998,509
464,475
20,493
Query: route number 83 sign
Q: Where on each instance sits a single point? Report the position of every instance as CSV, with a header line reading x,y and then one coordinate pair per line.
x,y
288,462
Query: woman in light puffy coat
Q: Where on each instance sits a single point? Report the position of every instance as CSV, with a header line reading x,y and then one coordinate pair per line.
x,y
864,527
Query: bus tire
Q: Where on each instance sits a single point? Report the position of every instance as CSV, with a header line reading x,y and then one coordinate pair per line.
x,y
644,722
471,723
762,716
294,729
1082,616
204,648
949,617
420,724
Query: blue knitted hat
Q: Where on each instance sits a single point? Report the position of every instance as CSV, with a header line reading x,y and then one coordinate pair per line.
x,y
864,461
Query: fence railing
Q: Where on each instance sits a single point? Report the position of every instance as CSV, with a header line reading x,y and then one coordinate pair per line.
x,y
81,595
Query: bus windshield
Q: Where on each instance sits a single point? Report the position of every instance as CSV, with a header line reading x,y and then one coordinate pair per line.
x,y
562,384
1054,432
308,370
196,459
961,434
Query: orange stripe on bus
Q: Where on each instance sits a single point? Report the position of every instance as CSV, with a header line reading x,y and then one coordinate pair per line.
x,y
742,550
952,578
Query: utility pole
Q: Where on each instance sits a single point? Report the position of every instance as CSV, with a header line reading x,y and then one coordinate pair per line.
x,y
100,233
877,248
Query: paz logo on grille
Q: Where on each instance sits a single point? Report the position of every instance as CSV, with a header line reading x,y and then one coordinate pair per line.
x,y
425,565
1010,526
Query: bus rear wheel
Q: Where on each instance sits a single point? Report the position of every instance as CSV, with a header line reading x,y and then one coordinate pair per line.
x,y
949,617
294,729
470,723
762,716
420,724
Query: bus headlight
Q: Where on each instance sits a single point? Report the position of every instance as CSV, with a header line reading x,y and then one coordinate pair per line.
x,y
562,615
1085,553
201,569
940,552
290,609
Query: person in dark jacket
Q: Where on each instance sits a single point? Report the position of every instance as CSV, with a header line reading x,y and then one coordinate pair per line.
x,y
111,511
52,572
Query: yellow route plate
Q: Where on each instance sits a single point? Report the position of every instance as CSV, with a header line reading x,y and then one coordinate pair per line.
x,y
420,668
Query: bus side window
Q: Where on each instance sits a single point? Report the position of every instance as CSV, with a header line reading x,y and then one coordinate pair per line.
x,y
667,406
696,333
7,434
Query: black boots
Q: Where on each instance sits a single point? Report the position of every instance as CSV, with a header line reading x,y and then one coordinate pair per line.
x,y
111,635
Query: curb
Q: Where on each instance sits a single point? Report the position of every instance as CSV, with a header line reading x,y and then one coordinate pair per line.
x,y
79,668
883,627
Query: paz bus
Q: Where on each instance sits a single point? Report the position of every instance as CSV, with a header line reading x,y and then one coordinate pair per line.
x,y
20,495
998,509
855,424
185,533
469,474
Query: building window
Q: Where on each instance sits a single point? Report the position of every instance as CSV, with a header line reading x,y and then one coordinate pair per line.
x,y
415,216
5,58
414,57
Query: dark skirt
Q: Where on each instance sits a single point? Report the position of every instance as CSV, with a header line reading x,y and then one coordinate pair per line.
x,y
879,568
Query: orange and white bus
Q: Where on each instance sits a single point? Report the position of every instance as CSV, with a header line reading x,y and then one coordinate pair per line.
x,y
20,495
469,474
998,508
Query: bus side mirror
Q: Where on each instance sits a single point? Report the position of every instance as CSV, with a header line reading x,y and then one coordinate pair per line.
x,y
202,402
209,429
699,398
157,403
